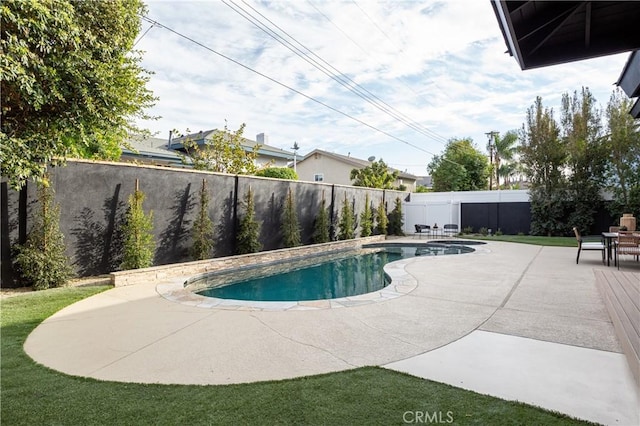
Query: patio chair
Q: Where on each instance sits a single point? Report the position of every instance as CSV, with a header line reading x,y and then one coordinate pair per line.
x,y
588,245
450,229
628,243
422,230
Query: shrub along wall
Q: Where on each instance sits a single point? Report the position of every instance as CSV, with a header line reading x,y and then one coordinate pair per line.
x,y
93,201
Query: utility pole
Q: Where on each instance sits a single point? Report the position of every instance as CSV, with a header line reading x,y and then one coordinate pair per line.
x,y
295,149
491,135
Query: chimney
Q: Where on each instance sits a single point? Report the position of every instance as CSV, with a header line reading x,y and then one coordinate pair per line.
x,y
263,139
170,139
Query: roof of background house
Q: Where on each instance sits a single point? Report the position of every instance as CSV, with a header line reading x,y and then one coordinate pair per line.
x,y
150,147
425,181
356,162
200,137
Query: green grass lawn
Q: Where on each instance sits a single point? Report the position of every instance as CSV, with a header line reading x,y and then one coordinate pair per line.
x,y
528,239
34,395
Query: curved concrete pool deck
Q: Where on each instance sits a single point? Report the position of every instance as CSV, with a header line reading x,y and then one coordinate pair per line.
x,y
516,321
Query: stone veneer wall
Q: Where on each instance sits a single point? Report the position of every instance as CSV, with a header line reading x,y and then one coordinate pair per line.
x,y
145,275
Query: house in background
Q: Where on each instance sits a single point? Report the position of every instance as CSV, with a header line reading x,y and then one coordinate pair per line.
x,y
152,151
328,167
267,154
425,181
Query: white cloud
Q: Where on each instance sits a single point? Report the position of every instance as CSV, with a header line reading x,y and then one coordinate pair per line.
x,y
441,64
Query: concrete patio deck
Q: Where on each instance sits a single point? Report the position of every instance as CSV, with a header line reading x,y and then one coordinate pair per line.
x,y
517,321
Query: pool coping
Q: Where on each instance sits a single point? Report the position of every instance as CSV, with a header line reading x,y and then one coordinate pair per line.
x,y
402,283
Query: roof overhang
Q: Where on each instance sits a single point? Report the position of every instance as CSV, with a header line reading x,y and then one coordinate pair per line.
x,y
629,81
543,33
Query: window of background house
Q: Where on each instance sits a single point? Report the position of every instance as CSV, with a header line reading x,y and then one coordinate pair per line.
x,y
318,177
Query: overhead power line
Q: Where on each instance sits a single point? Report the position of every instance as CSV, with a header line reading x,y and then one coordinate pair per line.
x,y
325,67
401,79
273,80
375,24
142,36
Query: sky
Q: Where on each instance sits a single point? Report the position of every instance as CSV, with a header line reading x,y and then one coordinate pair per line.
x,y
390,79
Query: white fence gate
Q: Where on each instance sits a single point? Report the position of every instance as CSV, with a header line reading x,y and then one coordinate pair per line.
x,y
439,213
444,207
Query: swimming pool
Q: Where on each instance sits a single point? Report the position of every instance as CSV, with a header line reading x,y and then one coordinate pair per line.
x,y
332,276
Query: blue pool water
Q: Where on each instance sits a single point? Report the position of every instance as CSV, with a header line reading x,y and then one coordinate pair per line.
x,y
337,275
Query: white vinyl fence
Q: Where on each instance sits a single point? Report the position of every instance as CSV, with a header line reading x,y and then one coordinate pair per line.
x,y
444,207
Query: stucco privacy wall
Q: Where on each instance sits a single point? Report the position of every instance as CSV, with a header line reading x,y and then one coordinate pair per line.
x,y
93,200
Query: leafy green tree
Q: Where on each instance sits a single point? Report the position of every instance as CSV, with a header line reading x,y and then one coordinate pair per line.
x,y
549,211
248,237
544,158
543,154
139,244
366,219
395,219
202,228
377,175
321,228
346,226
71,84
586,156
422,188
42,262
509,171
290,226
278,173
623,165
223,152
382,220
462,167
504,151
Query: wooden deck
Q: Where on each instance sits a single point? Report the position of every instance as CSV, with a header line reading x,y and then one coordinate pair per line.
x,y
621,293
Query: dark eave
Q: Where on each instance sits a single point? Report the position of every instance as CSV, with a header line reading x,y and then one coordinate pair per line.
x,y
629,80
542,33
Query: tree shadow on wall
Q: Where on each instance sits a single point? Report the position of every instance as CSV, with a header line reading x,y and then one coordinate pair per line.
x,y
271,227
171,248
99,243
224,231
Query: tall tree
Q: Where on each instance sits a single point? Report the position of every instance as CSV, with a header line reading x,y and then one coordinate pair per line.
x,y
42,261
544,158
377,175
321,226
382,220
505,149
224,152
248,237
462,167
347,224
71,83
395,218
202,228
366,219
139,244
543,153
586,156
623,146
290,225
